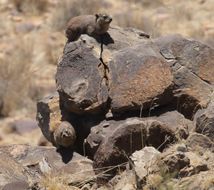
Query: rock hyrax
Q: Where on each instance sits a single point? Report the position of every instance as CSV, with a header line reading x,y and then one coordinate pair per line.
x,y
87,24
64,135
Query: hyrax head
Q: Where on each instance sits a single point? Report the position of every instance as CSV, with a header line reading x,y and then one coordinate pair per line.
x,y
103,19
65,135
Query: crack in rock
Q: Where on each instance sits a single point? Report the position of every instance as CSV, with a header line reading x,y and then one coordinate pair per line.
x,y
183,66
105,66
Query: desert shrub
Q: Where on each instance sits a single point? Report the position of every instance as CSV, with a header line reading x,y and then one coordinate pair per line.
x,y
70,8
181,13
56,183
52,55
31,6
16,74
147,3
53,48
134,19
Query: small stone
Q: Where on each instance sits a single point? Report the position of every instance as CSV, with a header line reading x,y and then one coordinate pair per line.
x,y
181,148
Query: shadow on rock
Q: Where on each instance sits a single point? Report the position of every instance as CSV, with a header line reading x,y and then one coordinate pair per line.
x,y
66,154
104,39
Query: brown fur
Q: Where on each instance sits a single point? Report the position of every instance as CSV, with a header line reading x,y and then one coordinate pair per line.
x,y
64,135
87,24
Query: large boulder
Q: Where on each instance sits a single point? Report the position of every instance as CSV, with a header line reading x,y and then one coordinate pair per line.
x,y
110,142
118,93
81,74
139,78
124,72
192,65
79,81
121,71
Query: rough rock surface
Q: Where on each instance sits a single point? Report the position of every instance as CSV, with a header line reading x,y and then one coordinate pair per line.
x,y
10,170
173,161
203,180
199,142
52,122
49,115
143,160
17,185
196,165
112,141
139,77
204,121
79,81
154,170
176,162
192,65
24,164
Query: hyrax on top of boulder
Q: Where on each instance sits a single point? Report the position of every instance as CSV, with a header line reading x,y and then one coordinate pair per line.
x,y
87,24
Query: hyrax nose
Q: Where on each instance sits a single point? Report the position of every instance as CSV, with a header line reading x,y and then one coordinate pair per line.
x,y
65,133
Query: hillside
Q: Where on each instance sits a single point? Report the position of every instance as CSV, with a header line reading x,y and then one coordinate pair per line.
x,y
168,86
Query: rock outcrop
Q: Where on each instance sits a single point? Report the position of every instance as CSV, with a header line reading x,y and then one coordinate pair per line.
x,y
139,78
82,73
112,141
122,93
192,68
134,74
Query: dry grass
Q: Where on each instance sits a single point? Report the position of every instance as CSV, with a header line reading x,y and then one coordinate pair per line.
x,y
198,181
160,181
56,183
52,56
135,19
181,13
70,8
5,27
209,182
76,181
53,48
31,6
147,3
16,75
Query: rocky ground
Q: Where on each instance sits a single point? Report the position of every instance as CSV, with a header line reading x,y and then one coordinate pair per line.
x,y
124,111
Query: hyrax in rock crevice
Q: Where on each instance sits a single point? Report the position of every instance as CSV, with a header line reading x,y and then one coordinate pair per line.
x,y
64,135
92,25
